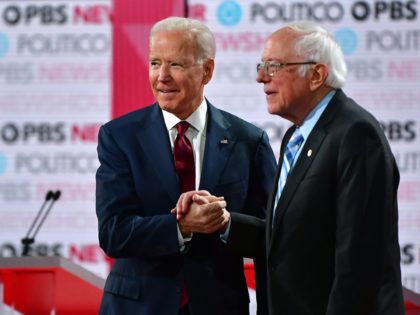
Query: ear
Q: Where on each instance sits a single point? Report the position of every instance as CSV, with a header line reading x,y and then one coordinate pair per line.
x,y
208,70
318,76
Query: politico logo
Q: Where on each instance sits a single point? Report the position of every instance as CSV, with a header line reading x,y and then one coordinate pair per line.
x,y
63,162
3,163
408,163
348,40
275,12
389,40
229,13
63,44
4,45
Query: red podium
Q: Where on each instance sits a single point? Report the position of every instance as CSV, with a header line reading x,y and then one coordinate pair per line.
x,y
49,285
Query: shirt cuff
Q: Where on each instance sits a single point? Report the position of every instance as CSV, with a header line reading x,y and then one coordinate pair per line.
x,y
225,235
182,240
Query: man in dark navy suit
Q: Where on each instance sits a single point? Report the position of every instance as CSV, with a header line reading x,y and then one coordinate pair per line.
x,y
148,157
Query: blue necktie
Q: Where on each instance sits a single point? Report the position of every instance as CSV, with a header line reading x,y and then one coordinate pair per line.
x,y
288,159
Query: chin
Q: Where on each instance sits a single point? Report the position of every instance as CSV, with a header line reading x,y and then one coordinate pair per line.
x,y
165,106
273,110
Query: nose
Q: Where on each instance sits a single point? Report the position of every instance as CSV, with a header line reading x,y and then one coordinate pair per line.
x,y
261,77
164,73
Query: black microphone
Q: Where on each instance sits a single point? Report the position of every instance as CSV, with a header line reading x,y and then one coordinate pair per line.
x,y
50,198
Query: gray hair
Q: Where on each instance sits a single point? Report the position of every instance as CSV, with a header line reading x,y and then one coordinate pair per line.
x,y
316,44
200,32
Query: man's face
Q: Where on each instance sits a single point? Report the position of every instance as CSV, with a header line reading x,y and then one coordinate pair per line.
x,y
177,80
287,93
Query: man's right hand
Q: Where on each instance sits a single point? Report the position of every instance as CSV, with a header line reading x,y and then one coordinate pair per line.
x,y
187,198
207,214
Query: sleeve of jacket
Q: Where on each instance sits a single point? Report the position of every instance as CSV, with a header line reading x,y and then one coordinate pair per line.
x,y
367,181
123,232
247,230
265,170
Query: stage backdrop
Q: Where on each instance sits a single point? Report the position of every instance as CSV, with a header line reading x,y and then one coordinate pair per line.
x,y
55,59
55,91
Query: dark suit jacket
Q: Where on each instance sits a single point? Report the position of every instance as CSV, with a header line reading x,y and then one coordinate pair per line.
x,y
333,245
137,187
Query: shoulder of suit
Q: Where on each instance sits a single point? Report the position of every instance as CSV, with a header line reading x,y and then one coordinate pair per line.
x,y
241,124
351,116
351,112
133,117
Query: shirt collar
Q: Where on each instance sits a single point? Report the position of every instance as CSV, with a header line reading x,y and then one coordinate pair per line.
x,y
313,117
197,119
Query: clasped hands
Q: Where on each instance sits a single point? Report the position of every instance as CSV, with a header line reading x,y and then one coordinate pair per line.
x,y
200,212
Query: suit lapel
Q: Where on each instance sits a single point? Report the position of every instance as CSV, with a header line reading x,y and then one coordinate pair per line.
x,y
313,143
219,144
296,175
154,140
272,197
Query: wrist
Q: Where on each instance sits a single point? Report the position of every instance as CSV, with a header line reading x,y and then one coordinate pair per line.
x,y
186,233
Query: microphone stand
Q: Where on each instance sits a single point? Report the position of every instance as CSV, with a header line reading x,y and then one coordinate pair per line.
x,y
28,240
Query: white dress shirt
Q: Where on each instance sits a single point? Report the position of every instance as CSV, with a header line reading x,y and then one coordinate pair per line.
x,y
196,133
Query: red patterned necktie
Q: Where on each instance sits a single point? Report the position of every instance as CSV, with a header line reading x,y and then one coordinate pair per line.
x,y
184,158
184,166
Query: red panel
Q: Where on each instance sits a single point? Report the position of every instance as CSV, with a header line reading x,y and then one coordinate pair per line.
x,y
36,291
131,25
88,299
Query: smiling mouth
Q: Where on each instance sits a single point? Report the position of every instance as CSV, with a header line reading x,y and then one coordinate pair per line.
x,y
167,91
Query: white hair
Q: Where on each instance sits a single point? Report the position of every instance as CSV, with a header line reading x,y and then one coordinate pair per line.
x,y
201,34
316,44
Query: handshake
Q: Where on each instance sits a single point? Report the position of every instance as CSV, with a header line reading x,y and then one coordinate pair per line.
x,y
200,212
